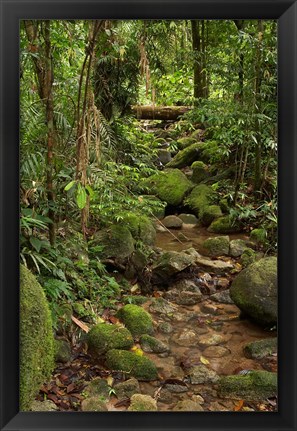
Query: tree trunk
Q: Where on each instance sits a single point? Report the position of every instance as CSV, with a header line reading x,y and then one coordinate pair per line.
x,y
150,112
197,53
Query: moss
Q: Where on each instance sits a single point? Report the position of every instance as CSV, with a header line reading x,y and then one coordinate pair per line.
x,y
137,300
152,344
142,403
62,351
217,246
209,214
116,240
140,367
200,197
97,388
137,320
224,206
141,227
223,225
104,337
36,338
185,142
261,348
93,404
248,256
171,186
200,172
256,385
259,236
186,156
127,388
197,134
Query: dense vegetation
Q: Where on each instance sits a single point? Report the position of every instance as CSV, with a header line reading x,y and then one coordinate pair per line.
x,y
89,165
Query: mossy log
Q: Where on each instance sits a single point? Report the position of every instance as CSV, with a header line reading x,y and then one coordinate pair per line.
x,y
151,112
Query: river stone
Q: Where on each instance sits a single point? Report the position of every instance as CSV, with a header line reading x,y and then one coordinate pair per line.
x,y
93,404
186,156
188,218
169,264
97,387
216,352
176,387
43,406
142,403
237,247
212,340
254,291
183,297
153,345
165,328
165,396
188,285
62,351
261,348
214,266
117,242
187,337
127,389
172,222
217,246
161,306
201,374
164,156
222,297
188,406
254,386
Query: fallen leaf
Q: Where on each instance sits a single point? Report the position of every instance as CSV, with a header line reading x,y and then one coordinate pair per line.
x,y
204,360
137,350
110,380
82,325
238,406
70,388
134,288
113,319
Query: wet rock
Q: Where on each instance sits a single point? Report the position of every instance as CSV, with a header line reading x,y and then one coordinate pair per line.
x,y
169,264
183,297
187,337
254,291
165,328
43,406
188,406
216,352
187,285
256,385
261,348
97,388
223,225
176,386
140,367
172,222
213,340
222,297
142,403
153,345
161,306
210,309
201,374
217,246
104,337
210,213
172,372
214,266
93,404
237,247
188,218
127,389
165,396
136,319
62,351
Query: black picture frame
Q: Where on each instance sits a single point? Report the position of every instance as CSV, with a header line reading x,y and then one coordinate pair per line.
x,y
285,11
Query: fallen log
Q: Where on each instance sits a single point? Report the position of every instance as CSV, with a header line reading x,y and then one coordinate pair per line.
x,y
151,112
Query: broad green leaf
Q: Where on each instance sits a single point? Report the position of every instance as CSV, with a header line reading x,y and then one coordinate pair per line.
x,y
69,185
81,197
36,243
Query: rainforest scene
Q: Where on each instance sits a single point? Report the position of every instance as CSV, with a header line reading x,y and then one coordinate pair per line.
x,y
148,215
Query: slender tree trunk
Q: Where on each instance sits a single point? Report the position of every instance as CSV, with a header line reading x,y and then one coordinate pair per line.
x,y
196,44
239,95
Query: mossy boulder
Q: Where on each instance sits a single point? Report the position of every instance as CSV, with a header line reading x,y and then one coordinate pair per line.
x,y
217,246
117,242
136,319
248,256
259,236
186,156
171,186
93,404
142,403
152,345
223,225
188,406
254,291
185,142
97,387
197,134
200,198
188,218
261,348
36,338
254,386
169,264
224,205
237,247
141,227
140,367
200,172
127,388
103,337
209,214
172,222
62,351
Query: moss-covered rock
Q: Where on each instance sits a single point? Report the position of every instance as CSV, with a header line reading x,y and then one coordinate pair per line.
x,y
170,185
172,222
217,246
254,291
254,386
152,345
141,227
135,299
197,134
62,351
127,389
261,348
188,218
185,142
93,404
209,214
200,198
223,225
188,406
224,204
36,338
248,256
259,236
200,172
237,247
142,403
169,264
136,319
104,337
186,156
140,367
117,242
97,388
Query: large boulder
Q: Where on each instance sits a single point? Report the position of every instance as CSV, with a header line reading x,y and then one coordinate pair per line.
x,y
169,264
185,142
142,403
217,246
200,198
141,227
224,225
200,172
186,156
140,367
103,337
172,222
260,348
116,242
36,338
136,319
171,186
254,291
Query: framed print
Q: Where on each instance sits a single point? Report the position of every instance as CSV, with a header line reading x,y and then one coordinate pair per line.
x,y
148,215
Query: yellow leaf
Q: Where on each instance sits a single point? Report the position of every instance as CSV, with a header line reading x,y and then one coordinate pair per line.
x,y
204,360
110,380
238,406
137,351
134,288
